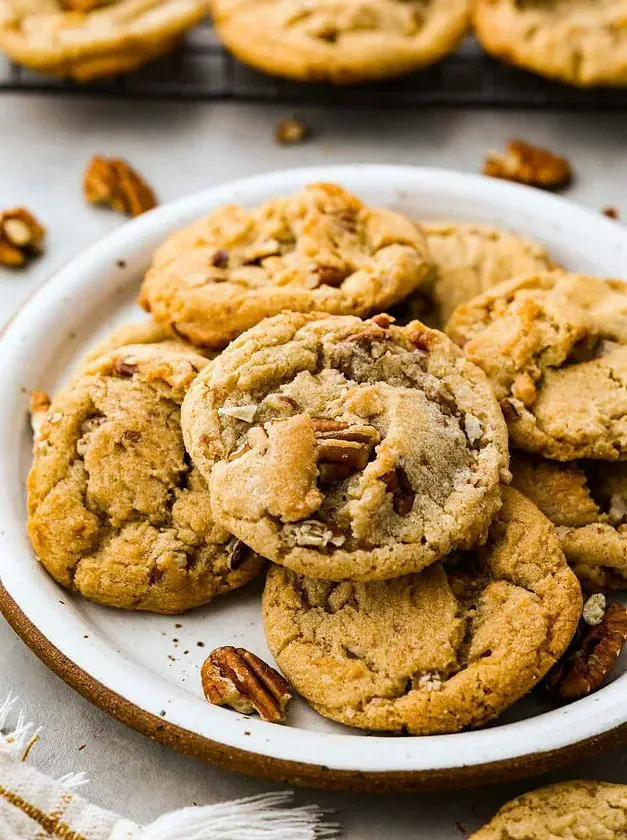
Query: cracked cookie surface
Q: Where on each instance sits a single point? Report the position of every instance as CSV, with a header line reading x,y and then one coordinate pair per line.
x,y
321,249
340,42
581,42
435,652
347,449
587,503
594,810
115,509
110,37
554,347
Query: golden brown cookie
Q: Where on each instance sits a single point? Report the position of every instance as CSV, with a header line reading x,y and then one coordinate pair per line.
x,y
108,37
554,347
115,509
469,259
340,42
591,810
449,648
319,250
347,449
581,42
587,503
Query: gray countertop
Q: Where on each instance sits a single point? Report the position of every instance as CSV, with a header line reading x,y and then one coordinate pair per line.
x,y
181,148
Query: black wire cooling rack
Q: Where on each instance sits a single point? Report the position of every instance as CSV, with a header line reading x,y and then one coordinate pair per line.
x,y
203,70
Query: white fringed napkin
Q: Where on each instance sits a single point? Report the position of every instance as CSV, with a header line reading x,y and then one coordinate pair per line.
x,y
34,806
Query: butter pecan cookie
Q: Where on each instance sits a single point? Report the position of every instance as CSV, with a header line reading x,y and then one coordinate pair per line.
x,y
587,503
469,259
554,347
93,38
581,42
115,509
595,810
347,449
319,250
340,42
435,652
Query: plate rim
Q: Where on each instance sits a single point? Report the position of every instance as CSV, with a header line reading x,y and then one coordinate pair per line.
x,y
276,767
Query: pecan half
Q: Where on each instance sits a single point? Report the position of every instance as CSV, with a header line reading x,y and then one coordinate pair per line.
x,y
291,130
398,484
237,678
114,183
591,656
527,164
21,237
342,444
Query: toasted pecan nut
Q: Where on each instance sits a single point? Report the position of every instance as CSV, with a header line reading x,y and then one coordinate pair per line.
x,y
591,656
290,130
398,484
531,165
114,183
21,237
238,553
237,678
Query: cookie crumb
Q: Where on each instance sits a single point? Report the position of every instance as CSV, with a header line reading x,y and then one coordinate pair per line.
x,y
611,213
594,609
534,166
290,131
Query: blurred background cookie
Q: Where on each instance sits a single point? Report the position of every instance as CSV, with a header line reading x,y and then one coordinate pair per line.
x,y
87,39
340,41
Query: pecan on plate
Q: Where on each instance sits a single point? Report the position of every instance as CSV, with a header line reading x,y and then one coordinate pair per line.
x,y
237,678
531,165
290,131
114,183
591,656
21,237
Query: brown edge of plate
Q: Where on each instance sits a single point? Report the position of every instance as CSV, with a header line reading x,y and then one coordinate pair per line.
x,y
280,770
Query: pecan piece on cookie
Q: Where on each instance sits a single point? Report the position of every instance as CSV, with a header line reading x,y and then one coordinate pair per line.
x,y
237,678
114,183
591,656
528,164
21,237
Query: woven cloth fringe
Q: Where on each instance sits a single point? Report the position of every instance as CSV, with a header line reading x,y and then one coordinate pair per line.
x,y
34,806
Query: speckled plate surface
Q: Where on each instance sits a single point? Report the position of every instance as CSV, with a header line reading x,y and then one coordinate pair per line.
x,y
144,669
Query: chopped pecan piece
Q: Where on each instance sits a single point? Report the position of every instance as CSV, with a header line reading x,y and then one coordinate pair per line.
x,y
21,237
126,367
341,444
236,677
238,553
531,165
220,258
114,183
329,275
591,656
39,405
611,213
290,130
398,484
383,320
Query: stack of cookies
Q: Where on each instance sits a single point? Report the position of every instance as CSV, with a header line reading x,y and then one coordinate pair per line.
x,y
259,418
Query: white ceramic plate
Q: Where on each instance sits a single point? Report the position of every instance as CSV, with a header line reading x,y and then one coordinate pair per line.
x,y
144,668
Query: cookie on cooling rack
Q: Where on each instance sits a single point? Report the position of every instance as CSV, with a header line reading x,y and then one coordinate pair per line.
x,y
340,42
87,39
